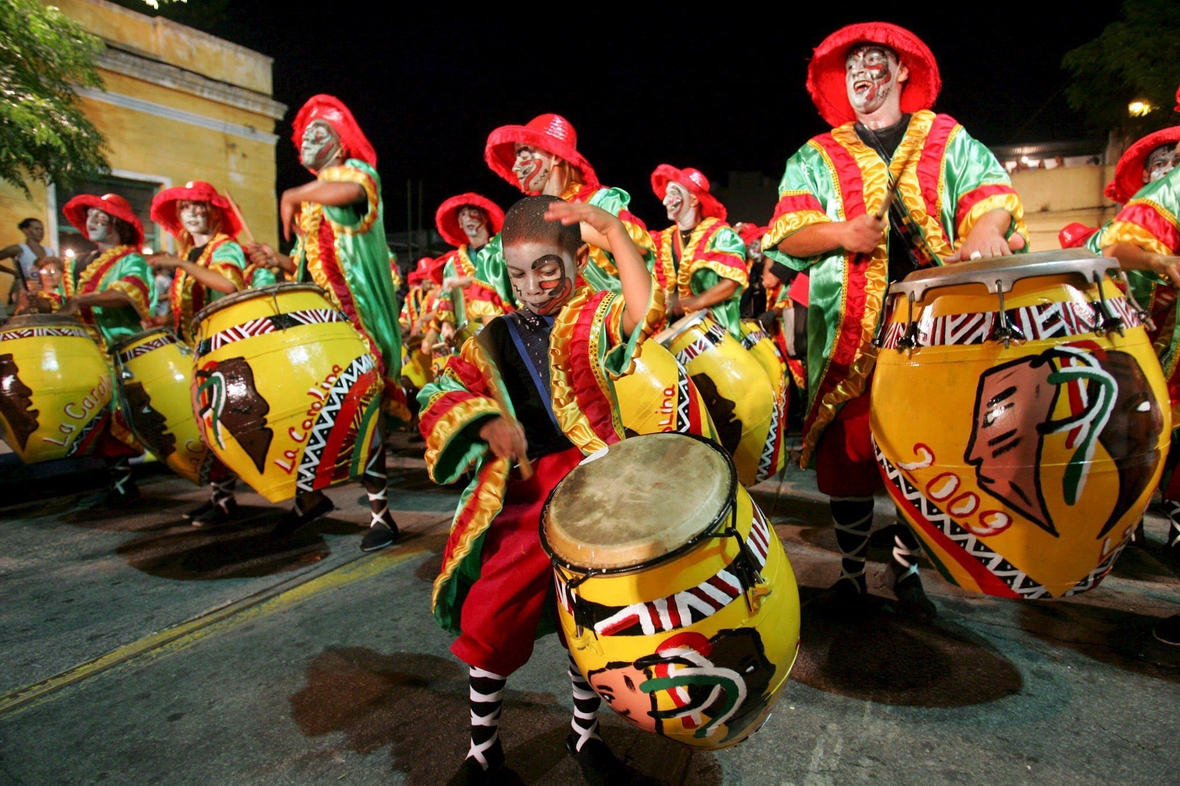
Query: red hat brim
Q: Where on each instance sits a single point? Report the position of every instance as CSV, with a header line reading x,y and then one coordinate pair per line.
x,y
165,203
711,207
75,212
500,152
825,72
332,111
1128,172
1075,235
446,218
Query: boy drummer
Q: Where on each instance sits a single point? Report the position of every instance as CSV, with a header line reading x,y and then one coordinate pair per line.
x,y
557,358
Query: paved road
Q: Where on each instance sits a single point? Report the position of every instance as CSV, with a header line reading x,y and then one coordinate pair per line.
x,y
137,649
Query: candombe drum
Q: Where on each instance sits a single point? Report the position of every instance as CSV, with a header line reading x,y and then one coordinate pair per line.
x,y
1021,420
762,346
736,391
55,388
285,390
675,596
659,397
153,379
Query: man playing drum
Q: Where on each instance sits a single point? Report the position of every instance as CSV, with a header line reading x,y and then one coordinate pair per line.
x,y
109,290
700,259
950,200
211,264
338,218
557,360
542,158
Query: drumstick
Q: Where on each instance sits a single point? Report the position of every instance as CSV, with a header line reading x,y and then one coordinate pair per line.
x,y
884,209
526,467
241,219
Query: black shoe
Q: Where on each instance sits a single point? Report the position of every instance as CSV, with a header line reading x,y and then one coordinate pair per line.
x,y
122,497
911,598
845,598
1168,631
296,520
380,535
200,510
599,765
470,772
214,515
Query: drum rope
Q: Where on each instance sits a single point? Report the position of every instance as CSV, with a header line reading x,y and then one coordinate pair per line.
x,y
853,520
486,697
584,721
376,484
221,493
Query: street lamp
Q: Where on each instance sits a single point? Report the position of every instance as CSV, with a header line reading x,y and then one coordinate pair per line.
x,y
1140,108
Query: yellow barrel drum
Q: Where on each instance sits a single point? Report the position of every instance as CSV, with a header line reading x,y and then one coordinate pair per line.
x,y
285,390
153,377
55,388
675,596
659,397
737,393
1021,420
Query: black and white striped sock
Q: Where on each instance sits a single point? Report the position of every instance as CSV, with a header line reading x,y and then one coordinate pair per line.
x,y
905,552
377,488
586,703
221,493
120,475
486,697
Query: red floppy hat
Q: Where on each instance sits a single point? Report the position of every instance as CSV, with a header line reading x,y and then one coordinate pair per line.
x,y
332,111
1075,235
111,204
825,73
1128,172
164,207
694,181
446,218
551,133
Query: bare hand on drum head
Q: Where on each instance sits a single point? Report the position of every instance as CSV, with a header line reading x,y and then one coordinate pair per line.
x,y
506,439
1167,267
862,234
988,238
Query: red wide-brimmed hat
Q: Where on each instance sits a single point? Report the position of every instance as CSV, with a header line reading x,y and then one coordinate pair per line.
x,y
750,232
551,133
428,268
446,218
1075,235
332,111
1128,172
111,204
825,72
165,204
694,181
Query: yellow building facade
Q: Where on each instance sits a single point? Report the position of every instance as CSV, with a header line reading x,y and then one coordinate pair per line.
x,y
177,105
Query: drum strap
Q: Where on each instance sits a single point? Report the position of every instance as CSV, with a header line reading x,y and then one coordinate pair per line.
x,y
541,382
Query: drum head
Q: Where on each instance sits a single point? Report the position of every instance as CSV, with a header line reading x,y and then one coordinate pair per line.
x,y
669,334
639,500
1003,272
40,320
120,346
249,294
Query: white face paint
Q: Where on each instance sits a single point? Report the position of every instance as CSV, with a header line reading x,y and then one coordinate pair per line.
x,y
474,223
532,168
681,205
1159,162
871,75
320,145
194,216
98,225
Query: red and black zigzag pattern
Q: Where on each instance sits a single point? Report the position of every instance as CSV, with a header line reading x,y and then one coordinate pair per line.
x,y
162,340
42,332
271,324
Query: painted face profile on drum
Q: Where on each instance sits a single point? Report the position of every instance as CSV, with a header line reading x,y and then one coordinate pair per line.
x,y
151,425
230,399
1110,404
16,402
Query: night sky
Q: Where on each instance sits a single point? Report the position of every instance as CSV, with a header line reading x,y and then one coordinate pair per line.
x,y
719,91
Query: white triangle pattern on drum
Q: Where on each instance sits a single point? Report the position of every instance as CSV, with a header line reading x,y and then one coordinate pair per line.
x,y
995,563
317,437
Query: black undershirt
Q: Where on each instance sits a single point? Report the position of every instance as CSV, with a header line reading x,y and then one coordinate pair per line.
x,y
901,262
533,412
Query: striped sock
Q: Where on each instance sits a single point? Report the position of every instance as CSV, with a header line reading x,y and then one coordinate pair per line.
x,y
120,475
586,703
221,493
377,489
486,697
905,552
853,519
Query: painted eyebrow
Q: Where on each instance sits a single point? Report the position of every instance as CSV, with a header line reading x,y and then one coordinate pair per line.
x,y
546,259
1003,395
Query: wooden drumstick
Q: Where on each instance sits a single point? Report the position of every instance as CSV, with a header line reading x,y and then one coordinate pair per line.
x,y
241,219
885,203
526,467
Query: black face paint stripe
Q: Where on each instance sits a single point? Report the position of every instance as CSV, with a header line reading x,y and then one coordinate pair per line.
x,y
1004,394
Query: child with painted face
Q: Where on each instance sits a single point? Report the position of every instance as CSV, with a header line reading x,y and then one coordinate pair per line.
x,y
538,382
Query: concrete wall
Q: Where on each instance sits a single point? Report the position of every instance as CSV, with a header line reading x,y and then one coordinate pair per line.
x,y
177,105
1055,197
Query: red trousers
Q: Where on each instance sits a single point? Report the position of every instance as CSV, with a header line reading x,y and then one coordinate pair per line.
x,y
506,603
844,462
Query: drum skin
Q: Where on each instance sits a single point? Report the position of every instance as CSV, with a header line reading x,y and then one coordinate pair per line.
x,y
153,377
695,641
736,391
286,391
658,395
1022,469
55,388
